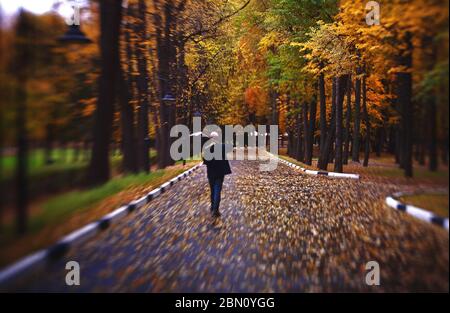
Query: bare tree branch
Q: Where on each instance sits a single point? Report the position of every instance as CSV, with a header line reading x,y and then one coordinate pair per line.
x,y
216,23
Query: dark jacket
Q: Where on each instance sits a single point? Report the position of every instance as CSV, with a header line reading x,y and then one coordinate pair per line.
x,y
218,168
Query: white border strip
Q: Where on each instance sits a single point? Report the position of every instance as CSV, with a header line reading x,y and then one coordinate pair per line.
x,y
22,265
317,173
419,213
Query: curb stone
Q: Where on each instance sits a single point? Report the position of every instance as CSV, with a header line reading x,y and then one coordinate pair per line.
x,y
318,173
424,215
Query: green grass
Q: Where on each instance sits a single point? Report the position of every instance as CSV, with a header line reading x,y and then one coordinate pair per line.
x,y
419,173
436,203
79,200
51,179
63,159
58,207
43,180
384,171
67,203
36,159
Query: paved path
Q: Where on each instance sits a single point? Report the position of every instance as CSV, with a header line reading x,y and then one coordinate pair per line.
x,y
281,231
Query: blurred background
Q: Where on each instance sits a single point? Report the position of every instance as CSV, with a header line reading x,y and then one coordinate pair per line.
x,y
86,110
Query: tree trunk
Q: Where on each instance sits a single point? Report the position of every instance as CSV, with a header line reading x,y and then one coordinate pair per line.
x,y
127,92
421,137
323,111
348,116
299,151
404,94
166,51
183,85
422,152
127,125
312,129
162,76
143,158
341,86
294,142
328,146
357,120
21,71
398,146
305,125
110,16
274,107
367,122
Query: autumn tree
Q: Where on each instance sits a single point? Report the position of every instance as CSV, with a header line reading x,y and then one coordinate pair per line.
x,y
110,18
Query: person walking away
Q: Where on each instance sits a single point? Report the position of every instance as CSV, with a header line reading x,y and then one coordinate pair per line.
x,y
217,170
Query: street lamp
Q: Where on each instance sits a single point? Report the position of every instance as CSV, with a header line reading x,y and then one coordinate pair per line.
x,y
169,110
74,35
200,134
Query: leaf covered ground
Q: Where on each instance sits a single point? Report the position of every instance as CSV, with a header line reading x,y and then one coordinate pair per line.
x,y
281,231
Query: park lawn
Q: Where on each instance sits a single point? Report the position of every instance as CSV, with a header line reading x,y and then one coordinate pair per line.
x,y
46,180
384,168
65,213
434,202
420,173
63,159
36,161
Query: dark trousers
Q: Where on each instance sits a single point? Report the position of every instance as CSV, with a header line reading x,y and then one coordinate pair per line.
x,y
215,184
